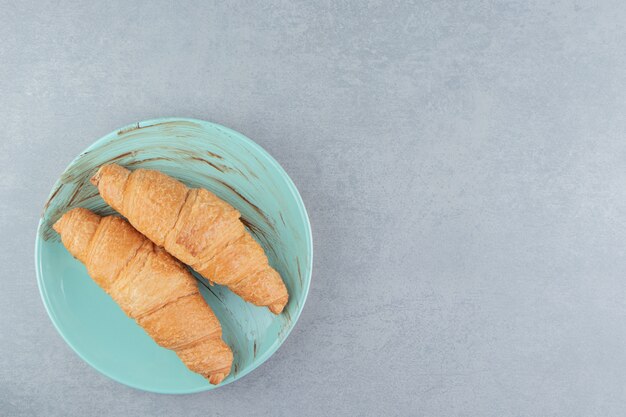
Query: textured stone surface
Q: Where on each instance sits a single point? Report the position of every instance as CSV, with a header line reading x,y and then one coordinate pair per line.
x,y
462,164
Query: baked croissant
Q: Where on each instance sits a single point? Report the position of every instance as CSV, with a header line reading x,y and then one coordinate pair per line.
x,y
151,287
196,227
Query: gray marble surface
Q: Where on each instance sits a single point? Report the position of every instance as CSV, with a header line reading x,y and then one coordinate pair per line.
x,y
464,168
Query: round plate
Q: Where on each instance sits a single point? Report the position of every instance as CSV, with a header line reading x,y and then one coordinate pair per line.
x,y
201,154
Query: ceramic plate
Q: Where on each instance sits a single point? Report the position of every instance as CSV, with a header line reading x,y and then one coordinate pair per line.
x,y
201,154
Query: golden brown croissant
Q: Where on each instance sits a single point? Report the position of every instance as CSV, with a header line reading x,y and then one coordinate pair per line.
x,y
151,287
196,227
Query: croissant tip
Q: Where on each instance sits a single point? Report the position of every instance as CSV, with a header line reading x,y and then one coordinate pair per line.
x,y
95,180
276,308
58,225
216,378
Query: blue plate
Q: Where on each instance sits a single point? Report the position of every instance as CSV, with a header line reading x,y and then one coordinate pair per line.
x,y
201,154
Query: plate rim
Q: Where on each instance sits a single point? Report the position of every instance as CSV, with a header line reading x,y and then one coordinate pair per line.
x,y
301,208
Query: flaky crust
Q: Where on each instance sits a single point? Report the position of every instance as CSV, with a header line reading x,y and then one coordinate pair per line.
x,y
151,287
196,227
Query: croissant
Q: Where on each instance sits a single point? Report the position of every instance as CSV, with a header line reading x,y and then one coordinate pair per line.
x,y
151,287
196,227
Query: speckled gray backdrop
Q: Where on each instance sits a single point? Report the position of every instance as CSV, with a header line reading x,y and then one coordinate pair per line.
x,y
464,167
